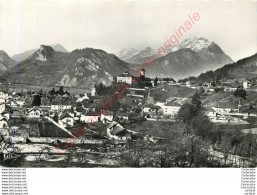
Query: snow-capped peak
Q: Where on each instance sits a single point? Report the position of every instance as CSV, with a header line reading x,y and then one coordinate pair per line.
x,y
196,44
125,53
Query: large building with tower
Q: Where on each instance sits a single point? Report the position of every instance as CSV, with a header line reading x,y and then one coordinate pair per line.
x,y
125,77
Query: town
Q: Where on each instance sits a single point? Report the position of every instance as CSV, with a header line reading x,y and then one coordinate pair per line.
x,y
217,119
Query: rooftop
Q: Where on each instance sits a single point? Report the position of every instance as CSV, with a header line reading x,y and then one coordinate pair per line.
x,y
172,103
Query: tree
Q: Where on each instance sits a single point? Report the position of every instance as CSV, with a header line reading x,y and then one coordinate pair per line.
x,y
185,113
155,81
61,92
240,93
202,125
52,92
196,103
37,100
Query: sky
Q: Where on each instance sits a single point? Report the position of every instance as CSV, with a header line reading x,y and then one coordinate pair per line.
x,y
115,25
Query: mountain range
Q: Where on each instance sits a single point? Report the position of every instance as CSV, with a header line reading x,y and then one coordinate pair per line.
x,y
79,68
53,65
190,58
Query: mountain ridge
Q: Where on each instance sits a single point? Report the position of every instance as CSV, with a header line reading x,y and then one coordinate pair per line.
x,y
79,68
211,55
24,55
6,61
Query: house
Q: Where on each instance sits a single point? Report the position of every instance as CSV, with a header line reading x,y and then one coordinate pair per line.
x,y
106,116
89,117
66,120
17,102
3,123
125,77
79,110
211,89
82,97
230,85
116,132
150,108
34,113
71,112
20,101
227,89
6,115
3,95
89,106
226,107
171,108
122,115
2,100
246,84
15,113
45,107
210,112
2,107
188,84
207,84
60,106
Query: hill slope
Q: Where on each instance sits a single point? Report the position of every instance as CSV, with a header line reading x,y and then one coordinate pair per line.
x,y
5,61
244,68
79,68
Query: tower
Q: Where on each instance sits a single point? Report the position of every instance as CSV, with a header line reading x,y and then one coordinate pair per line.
x,y
142,73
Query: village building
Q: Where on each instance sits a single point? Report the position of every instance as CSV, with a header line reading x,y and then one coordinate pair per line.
x,y
171,108
210,112
45,107
211,89
226,107
122,115
3,95
89,117
20,101
2,107
66,120
34,113
164,80
150,108
82,97
247,84
227,89
3,123
116,132
71,112
89,106
125,77
188,84
15,113
79,110
59,106
2,100
107,116
6,115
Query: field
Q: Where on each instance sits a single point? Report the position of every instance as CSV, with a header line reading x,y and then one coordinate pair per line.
x,y
210,99
171,91
159,129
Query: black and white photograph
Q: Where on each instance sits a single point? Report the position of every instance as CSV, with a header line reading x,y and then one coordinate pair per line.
x,y
128,84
